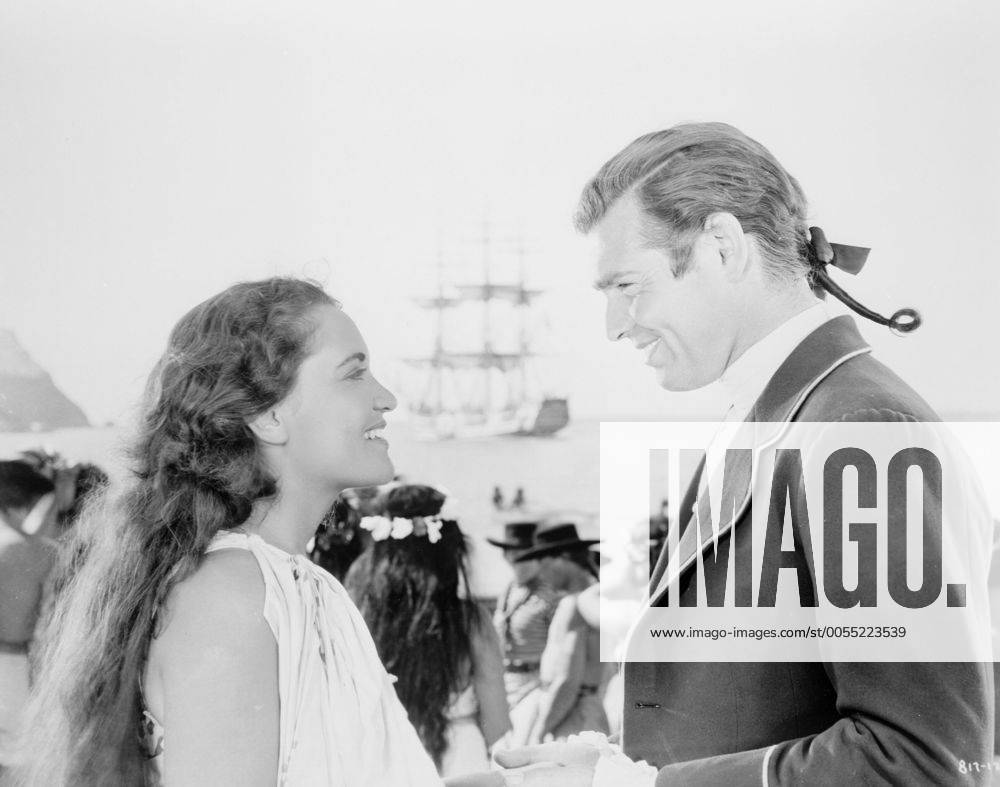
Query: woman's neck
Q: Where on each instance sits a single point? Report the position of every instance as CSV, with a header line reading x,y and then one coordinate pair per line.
x,y
287,520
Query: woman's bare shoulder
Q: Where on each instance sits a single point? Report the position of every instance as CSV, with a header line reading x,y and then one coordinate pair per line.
x,y
212,676
219,604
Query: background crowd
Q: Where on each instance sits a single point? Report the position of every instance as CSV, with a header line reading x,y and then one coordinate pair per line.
x,y
473,673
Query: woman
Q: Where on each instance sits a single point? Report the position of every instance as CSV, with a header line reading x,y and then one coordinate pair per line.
x,y
191,613
26,559
336,543
411,586
568,700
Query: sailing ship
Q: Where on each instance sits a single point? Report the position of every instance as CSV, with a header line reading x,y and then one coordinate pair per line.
x,y
487,389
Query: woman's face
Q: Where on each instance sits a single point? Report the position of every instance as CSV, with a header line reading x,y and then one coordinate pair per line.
x,y
333,417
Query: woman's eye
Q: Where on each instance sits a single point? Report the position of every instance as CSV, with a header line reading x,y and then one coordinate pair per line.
x,y
359,374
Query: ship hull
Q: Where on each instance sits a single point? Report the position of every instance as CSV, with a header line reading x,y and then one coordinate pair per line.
x,y
550,416
553,415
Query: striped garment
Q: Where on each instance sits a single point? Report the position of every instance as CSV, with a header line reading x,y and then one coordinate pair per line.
x,y
522,619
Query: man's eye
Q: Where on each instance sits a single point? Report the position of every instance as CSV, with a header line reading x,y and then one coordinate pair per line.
x,y
357,375
622,285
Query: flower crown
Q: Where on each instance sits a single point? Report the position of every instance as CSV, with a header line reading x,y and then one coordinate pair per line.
x,y
399,527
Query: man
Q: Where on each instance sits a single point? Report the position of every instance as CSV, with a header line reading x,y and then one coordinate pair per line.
x,y
709,268
26,499
567,700
522,619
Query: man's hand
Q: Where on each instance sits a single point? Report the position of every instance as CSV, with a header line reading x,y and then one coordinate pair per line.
x,y
558,764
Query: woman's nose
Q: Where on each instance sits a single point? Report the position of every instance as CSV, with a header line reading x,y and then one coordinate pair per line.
x,y
385,401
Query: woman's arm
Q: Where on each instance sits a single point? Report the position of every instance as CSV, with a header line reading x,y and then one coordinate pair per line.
x,y
216,669
487,678
563,663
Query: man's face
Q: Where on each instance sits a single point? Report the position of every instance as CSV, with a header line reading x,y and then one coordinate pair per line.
x,y
525,571
685,326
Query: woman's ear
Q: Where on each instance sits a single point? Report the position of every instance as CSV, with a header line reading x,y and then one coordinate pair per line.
x,y
269,427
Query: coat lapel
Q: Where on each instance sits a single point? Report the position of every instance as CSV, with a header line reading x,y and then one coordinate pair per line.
x,y
685,513
822,351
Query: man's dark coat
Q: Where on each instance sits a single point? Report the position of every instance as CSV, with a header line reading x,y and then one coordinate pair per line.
x,y
828,723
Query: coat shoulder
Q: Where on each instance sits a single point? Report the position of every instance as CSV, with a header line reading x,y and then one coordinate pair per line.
x,y
864,389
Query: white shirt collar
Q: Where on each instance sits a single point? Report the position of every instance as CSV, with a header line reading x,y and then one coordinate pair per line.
x,y
746,377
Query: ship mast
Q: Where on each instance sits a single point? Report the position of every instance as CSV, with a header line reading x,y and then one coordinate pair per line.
x,y
522,307
466,369
488,360
438,374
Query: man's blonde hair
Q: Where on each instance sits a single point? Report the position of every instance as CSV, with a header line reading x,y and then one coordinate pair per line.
x,y
684,174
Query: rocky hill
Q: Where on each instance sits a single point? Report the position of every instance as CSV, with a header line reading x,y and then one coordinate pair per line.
x,y
29,400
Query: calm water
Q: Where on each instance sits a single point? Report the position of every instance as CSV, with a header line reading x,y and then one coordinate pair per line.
x,y
558,474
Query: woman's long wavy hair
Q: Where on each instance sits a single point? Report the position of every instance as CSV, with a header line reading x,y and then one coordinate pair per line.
x,y
195,471
413,596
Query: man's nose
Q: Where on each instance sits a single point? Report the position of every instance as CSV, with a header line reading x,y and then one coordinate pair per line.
x,y
617,319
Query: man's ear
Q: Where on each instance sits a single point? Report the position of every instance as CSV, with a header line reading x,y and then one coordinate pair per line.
x,y
269,427
731,243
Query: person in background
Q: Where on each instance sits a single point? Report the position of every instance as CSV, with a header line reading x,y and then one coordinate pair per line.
x,y
337,542
659,526
26,560
73,482
571,673
522,618
411,586
86,479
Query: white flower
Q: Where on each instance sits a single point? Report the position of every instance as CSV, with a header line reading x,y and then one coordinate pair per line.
x,y
433,530
401,528
379,526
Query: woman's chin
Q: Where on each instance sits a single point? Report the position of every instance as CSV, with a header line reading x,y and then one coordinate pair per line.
x,y
381,475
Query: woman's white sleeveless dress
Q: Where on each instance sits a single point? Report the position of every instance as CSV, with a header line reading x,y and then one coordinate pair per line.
x,y
341,722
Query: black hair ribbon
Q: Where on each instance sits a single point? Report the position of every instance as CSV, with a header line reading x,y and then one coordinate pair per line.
x,y
851,259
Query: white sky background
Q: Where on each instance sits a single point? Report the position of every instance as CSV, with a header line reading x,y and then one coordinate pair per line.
x,y
153,153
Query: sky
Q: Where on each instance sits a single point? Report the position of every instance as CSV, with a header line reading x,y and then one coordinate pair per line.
x,y
153,153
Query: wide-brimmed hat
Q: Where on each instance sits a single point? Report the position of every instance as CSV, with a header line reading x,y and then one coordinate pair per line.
x,y
516,535
553,539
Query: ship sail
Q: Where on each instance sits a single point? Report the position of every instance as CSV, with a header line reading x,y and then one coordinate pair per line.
x,y
483,382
